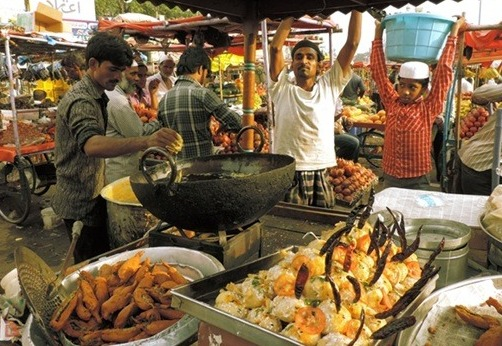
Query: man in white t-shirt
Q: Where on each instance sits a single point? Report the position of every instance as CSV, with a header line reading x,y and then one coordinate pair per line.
x,y
304,110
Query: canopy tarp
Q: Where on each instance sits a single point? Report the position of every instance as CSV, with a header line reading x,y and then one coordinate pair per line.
x,y
485,45
244,10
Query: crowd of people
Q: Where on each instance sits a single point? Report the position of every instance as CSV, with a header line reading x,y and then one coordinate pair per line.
x,y
99,136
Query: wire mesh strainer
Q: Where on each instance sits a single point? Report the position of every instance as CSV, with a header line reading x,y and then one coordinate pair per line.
x,y
35,278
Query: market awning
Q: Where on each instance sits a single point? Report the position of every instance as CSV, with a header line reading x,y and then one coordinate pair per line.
x,y
243,10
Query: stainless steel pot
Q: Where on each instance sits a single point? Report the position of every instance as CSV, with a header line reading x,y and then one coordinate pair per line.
x,y
212,193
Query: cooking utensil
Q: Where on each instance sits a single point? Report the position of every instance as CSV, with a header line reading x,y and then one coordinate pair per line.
x,y
35,276
75,234
212,193
456,234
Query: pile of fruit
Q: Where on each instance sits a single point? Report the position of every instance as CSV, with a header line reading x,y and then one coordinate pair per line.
x,y
472,122
145,113
359,116
227,141
350,180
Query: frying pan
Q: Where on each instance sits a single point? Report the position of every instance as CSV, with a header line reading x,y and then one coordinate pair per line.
x,y
212,193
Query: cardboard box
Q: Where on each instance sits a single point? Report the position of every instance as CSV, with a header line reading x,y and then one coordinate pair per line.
x,y
47,14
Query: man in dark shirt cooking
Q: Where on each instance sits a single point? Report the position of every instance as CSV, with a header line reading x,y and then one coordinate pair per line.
x,y
81,144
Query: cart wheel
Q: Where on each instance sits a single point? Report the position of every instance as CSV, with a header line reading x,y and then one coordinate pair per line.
x,y
33,180
15,193
371,147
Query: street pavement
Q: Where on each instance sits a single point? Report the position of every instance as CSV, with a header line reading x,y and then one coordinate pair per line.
x,y
50,244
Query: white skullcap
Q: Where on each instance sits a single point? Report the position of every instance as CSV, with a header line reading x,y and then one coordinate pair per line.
x,y
414,70
134,63
165,58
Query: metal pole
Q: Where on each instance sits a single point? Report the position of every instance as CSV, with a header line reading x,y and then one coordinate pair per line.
x,y
8,58
496,169
266,64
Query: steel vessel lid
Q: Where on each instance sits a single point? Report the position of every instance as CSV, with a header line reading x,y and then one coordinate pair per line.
x,y
456,234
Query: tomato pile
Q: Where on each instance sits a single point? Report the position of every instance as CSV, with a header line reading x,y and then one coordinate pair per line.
x,y
350,180
145,113
228,140
472,122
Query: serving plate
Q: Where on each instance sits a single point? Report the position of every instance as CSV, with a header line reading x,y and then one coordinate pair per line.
x,y
197,299
192,264
436,320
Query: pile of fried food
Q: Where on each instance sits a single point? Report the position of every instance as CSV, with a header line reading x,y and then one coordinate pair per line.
x,y
493,330
343,289
127,301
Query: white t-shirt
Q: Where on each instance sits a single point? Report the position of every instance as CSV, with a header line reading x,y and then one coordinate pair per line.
x,y
304,120
163,87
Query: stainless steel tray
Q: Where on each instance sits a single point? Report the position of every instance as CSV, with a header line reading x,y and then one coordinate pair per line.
x,y
192,264
197,299
494,240
405,337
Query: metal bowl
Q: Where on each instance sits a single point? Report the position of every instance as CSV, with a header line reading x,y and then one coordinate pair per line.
x,y
456,234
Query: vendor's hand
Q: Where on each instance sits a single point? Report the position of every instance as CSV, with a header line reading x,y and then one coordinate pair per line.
x,y
378,29
459,26
439,121
167,138
153,86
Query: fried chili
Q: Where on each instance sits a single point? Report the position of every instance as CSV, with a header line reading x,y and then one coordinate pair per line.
x,y
394,327
362,317
301,279
347,262
399,226
381,263
357,288
410,295
408,251
334,239
374,235
367,210
336,293
434,254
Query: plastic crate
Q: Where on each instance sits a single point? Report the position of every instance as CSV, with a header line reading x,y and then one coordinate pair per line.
x,y
415,36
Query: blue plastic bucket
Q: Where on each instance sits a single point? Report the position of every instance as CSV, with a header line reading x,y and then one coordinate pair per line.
x,y
415,36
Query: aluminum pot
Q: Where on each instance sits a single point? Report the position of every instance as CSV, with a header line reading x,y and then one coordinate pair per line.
x,y
212,193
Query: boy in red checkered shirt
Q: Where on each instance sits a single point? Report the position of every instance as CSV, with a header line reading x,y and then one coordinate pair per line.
x,y
410,116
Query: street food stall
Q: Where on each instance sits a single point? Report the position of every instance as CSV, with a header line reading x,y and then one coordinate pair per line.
x,y
328,276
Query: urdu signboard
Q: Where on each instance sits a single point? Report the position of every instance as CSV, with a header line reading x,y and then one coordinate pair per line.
x,y
71,9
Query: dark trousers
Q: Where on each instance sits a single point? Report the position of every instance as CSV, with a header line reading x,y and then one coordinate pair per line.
x,y
473,182
93,240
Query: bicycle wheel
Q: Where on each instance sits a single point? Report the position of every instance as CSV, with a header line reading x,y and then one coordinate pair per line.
x,y
371,147
15,193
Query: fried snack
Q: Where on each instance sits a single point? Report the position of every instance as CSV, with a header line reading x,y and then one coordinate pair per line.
x,y
127,301
125,314
120,334
130,266
492,337
115,303
101,290
58,322
477,320
82,312
142,299
155,327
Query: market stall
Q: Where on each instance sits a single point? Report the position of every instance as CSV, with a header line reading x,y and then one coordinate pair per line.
x,y
26,142
339,276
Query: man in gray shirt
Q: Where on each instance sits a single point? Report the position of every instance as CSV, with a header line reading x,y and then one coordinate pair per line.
x,y
81,144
